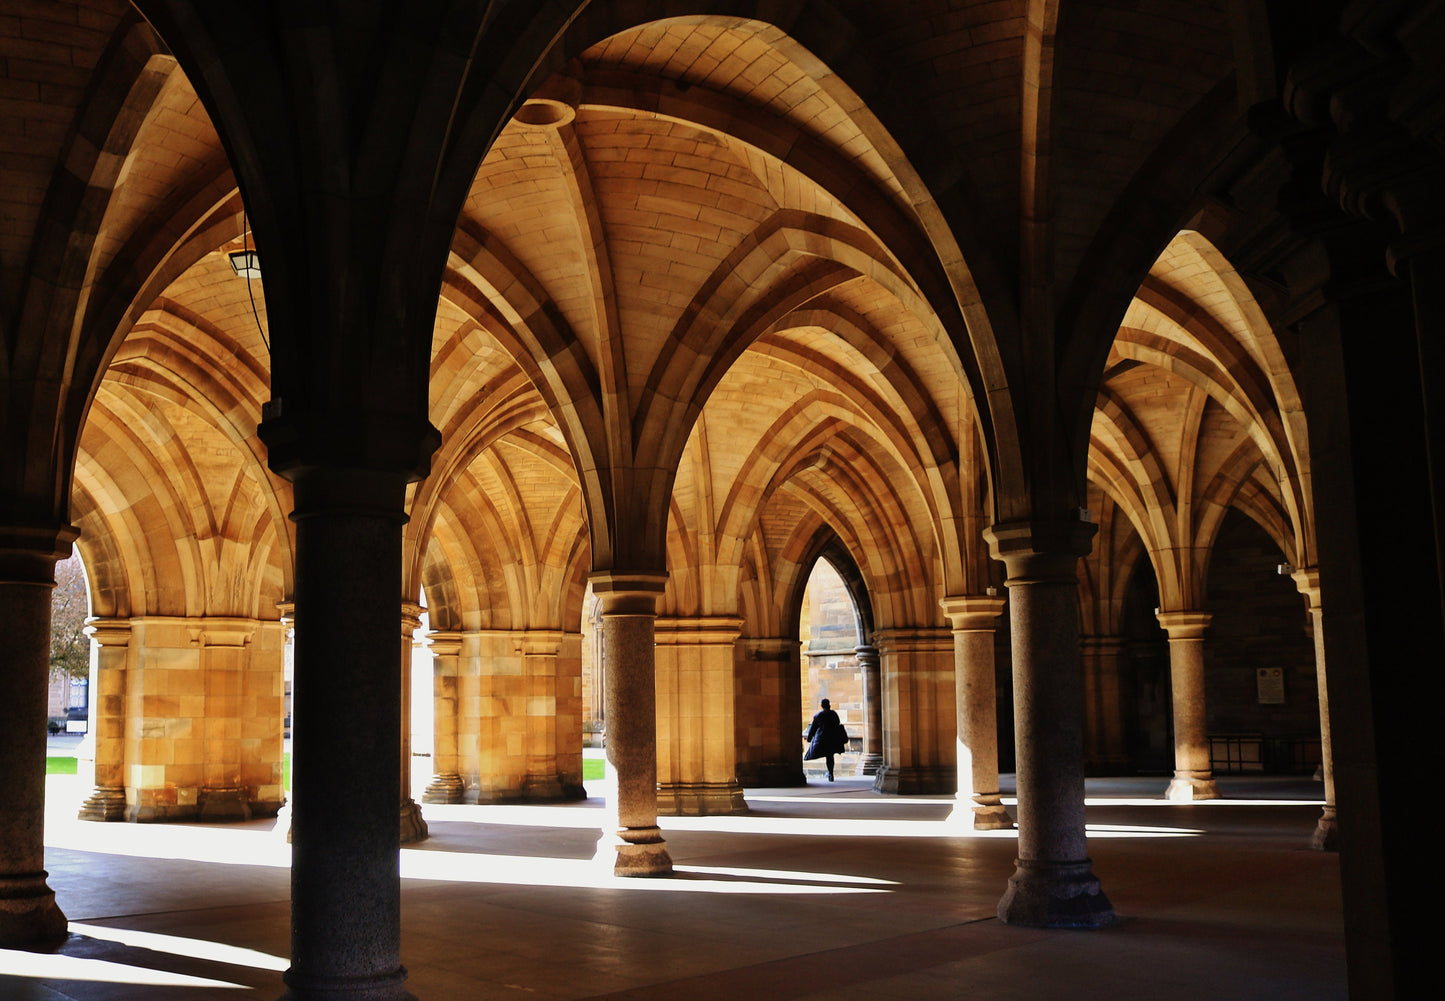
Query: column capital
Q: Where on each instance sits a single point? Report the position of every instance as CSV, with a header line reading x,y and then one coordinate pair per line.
x,y
700,629
913,638
328,490
972,613
628,593
28,553
108,632
1038,551
1184,625
1307,582
444,643
410,618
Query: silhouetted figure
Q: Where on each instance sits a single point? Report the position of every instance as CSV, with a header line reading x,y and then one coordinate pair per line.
x,y
826,737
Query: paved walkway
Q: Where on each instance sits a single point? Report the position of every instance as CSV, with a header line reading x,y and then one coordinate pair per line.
x,y
825,891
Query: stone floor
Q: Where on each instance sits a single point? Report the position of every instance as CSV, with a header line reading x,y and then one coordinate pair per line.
x,y
825,891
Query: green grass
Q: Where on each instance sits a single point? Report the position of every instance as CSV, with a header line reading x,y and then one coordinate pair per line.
x,y
592,768
59,766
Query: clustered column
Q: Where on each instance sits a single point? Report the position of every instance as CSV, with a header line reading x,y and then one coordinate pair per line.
x,y
979,805
1053,885
629,612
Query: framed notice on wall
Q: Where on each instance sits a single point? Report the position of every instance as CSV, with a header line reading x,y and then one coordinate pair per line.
x,y
1269,683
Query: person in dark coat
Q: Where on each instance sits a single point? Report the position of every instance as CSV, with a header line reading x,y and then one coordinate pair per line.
x,y
826,737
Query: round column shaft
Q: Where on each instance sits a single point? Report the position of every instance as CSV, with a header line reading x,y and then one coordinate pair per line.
x,y
1326,836
345,879
29,916
870,664
1193,769
1053,885
629,613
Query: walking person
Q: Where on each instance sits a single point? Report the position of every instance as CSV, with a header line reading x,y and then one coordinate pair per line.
x,y
826,737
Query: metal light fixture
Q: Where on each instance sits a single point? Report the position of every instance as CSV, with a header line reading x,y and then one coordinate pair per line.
x,y
246,263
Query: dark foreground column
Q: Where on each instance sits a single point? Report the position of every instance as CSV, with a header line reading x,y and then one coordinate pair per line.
x,y
1053,885
629,613
29,916
979,806
345,879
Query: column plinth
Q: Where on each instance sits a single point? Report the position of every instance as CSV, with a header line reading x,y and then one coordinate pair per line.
x,y
629,612
1053,885
1193,769
1055,895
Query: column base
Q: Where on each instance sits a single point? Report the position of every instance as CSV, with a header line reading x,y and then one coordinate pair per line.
x,y
774,775
1326,837
916,781
1055,895
869,764
640,851
445,787
700,799
976,816
386,987
106,803
1186,787
550,789
225,805
29,916
413,827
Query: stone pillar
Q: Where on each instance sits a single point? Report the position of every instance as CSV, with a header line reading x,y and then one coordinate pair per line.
x,y
111,649
1104,747
870,666
553,717
979,804
446,784
629,608
1053,885
29,916
918,712
1193,769
413,825
696,751
345,882
768,689
1326,837
223,656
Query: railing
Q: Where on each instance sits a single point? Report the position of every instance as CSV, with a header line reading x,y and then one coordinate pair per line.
x,y
1242,754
